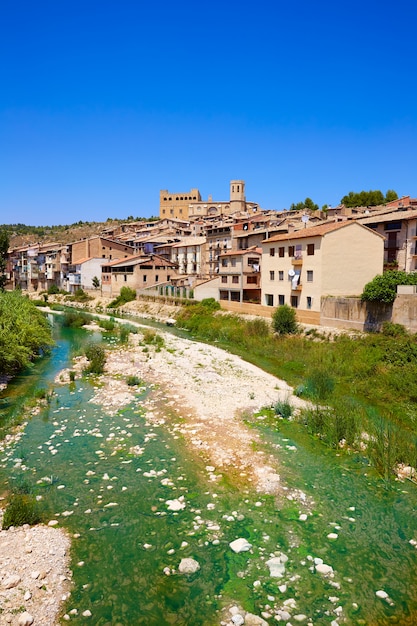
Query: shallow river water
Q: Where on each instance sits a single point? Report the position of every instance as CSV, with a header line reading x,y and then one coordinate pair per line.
x,y
113,482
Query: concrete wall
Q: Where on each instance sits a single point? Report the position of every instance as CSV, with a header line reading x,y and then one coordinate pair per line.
x,y
404,311
353,313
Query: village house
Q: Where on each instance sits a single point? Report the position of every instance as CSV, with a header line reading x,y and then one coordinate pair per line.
x,y
334,259
137,272
238,279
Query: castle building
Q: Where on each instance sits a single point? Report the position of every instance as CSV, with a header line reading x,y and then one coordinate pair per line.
x,y
190,205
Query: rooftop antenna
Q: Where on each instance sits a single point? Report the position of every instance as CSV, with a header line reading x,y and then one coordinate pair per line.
x,y
304,219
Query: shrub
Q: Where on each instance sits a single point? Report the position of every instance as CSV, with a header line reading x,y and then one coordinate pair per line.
x,y
284,320
393,330
96,354
383,288
283,408
21,509
126,295
107,324
53,290
150,337
74,319
132,381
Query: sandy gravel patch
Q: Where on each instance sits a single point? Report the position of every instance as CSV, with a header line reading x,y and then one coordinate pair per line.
x,y
211,389
34,575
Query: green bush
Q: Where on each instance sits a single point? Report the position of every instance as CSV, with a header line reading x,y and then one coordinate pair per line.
x,y
107,324
53,290
383,288
284,320
393,330
96,355
150,337
21,509
75,319
283,408
133,381
126,295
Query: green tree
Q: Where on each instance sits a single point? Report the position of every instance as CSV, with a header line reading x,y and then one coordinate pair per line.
x,y
284,320
368,198
96,282
383,288
307,204
24,332
4,246
391,195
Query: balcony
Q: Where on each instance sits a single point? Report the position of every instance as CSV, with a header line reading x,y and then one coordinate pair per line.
x,y
297,260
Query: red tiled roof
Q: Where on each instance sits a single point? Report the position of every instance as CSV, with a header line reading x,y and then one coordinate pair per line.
x,y
313,231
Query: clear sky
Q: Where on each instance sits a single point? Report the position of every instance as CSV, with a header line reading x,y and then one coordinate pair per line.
x,y
105,102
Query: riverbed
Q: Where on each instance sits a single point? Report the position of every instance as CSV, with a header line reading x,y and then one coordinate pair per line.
x,y
186,463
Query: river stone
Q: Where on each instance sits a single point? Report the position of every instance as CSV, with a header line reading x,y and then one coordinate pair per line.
x,y
381,594
240,545
11,581
175,505
25,619
238,620
188,566
254,620
324,569
276,567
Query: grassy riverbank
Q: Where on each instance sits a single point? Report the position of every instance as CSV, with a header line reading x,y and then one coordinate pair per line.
x,y
362,387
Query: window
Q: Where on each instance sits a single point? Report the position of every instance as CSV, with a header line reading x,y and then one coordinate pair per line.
x,y
157,278
252,280
309,276
269,299
271,275
310,249
233,262
125,278
144,278
280,275
281,299
271,251
309,302
281,251
224,279
294,301
291,250
224,262
235,279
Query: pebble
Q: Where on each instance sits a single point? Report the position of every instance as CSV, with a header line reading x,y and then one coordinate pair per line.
x,y
240,545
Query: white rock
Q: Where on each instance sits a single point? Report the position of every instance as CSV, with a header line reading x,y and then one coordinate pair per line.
x,y
254,620
381,594
86,613
324,569
188,566
300,617
282,588
25,619
175,505
303,517
332,536
238,620
276,567
240,545
11,581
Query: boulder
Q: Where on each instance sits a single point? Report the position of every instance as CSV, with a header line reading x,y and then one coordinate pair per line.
x,y
240,545
188,566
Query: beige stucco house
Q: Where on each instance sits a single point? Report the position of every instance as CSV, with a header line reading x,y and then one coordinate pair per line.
x,y
335,259
137,272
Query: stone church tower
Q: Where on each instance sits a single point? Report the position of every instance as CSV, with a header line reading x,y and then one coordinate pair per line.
x,y
237,196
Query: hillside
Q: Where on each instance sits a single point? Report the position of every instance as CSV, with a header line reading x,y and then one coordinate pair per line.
x,y
23,235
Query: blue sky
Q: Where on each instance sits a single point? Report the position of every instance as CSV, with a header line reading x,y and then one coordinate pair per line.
x,y
104,103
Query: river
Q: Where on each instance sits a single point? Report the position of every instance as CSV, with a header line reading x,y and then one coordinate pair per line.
x,y
137,501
